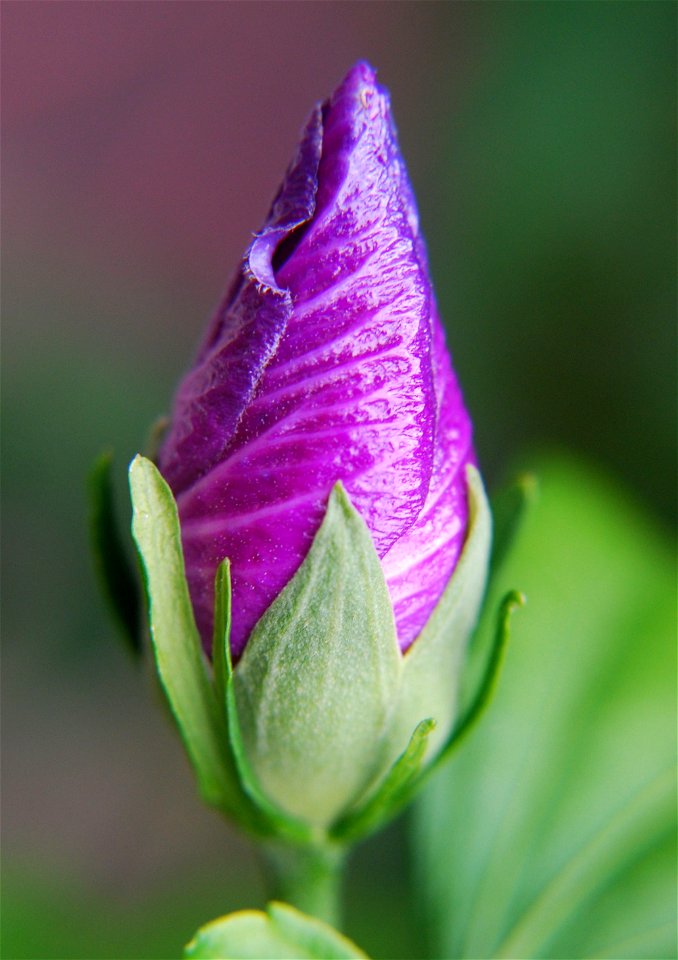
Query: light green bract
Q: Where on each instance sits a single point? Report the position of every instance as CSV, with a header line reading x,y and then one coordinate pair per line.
x,y
282,933
324,726
320,675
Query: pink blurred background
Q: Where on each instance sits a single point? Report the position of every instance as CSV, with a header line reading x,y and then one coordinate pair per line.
x,y
146,139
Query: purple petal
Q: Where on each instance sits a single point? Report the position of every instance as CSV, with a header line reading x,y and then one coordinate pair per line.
x,y
325,362
243,335
419,566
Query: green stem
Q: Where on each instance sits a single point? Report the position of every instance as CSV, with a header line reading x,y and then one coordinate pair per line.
x,y
307,877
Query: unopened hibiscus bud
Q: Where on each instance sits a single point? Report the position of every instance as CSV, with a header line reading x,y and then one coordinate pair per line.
x,y
326,364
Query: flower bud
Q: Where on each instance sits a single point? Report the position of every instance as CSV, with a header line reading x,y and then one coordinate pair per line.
x,y
325,362
320,444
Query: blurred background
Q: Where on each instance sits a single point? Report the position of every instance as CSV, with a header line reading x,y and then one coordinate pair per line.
x,y
142,145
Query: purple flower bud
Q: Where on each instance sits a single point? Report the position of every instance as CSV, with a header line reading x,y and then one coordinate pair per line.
x,y
325,362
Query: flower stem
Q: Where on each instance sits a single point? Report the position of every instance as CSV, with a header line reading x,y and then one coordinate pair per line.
x,y
307,877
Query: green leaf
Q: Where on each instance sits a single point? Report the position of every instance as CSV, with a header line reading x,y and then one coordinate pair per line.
x,y
116,574
551,832
319,678
602,857
432,667
282,933
176,642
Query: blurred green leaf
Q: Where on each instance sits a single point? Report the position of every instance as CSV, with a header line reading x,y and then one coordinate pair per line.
x,y
117,577
551,832
282,933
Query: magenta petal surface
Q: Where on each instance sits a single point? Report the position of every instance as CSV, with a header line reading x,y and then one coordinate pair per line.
x,y
326,362
419,565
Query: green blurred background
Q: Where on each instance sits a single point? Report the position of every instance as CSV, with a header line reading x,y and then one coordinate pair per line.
x,y
142,144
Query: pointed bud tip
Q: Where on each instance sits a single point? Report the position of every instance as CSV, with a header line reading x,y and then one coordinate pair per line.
x,y
361,72
360,83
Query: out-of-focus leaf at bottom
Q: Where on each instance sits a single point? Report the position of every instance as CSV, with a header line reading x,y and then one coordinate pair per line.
x,y
551,832
282,933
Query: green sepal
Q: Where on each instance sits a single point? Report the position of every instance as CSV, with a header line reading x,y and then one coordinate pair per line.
x,y
510,507
267,818
176,643
448,633
393,794
319,679
114,568
487,685
443,648
409,772
254,735
433,665
281,933
425,709
222,667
